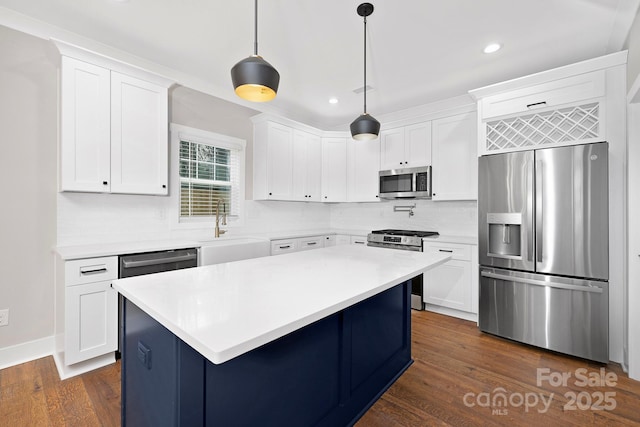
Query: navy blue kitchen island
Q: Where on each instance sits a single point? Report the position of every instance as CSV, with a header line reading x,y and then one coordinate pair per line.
x,y
327,372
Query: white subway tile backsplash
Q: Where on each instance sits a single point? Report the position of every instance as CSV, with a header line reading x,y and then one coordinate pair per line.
x,y
85,218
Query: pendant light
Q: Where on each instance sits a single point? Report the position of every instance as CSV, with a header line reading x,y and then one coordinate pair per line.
x,y
365,127
254,79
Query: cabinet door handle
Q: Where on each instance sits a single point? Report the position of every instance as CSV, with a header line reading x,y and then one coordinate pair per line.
x,y
445,250
537,104
92,270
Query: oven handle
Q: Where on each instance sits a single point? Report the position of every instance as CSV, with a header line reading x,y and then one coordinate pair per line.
x,y
392,246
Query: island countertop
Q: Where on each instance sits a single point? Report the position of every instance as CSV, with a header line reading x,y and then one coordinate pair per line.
x,y
225,310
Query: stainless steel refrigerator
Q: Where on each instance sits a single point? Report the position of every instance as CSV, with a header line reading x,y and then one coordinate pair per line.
x,y
543,248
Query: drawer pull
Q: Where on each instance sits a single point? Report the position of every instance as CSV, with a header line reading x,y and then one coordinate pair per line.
x,y
311,243
285,247
537,104
445,250
86,271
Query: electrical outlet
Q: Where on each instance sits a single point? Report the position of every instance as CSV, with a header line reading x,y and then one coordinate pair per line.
x,y
4,317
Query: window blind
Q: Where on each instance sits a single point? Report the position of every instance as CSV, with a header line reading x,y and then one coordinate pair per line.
x,y
208,172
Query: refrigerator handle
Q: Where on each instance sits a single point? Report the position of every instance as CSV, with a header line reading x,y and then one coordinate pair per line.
x,y
529,210
539,209
585,288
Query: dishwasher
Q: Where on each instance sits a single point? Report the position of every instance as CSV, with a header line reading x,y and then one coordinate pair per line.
x,y
147,263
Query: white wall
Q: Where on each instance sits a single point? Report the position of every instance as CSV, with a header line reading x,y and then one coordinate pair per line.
x,y
632,297
28,105
633,46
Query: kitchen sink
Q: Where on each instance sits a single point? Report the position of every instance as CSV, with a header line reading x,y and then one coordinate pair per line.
x,y
233,249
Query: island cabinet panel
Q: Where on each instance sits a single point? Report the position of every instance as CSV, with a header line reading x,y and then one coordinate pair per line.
x,y
325,374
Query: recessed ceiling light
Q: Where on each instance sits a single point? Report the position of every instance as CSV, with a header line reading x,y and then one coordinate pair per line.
x,y
333,100
493,47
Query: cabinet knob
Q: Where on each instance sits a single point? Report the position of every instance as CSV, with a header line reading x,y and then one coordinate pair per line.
x,y
164,186
270,194
105,183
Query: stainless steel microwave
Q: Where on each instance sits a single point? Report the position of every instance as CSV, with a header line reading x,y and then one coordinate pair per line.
x,y
408,183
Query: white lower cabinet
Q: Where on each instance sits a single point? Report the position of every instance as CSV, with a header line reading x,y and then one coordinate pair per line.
x,y
285,246
452,288
359,240
91,321
343,239
448,285
313,242
90,308
329,240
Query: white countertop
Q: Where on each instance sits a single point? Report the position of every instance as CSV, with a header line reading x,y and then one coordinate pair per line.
x,y
465,240
226,310
122,248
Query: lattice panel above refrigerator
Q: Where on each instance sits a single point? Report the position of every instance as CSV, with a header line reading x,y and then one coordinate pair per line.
x,y
569,124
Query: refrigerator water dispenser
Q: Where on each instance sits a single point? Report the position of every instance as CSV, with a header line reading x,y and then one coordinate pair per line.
x,y
504,235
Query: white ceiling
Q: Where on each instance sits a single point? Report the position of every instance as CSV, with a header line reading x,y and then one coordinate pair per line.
x,y
419,51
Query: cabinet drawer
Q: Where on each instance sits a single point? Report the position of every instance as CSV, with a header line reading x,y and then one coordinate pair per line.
x,y
547,95
457,251
307,243
283,246
329,240
90,270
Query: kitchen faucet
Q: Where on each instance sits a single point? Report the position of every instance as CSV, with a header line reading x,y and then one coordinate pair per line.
x,y
218,232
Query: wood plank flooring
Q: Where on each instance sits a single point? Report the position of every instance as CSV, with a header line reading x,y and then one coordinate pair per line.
x,y
458,372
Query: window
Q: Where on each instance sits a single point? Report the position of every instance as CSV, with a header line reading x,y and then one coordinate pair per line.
x,y
210,173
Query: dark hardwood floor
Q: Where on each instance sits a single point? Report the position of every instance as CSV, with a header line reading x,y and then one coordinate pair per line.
x,y
459,378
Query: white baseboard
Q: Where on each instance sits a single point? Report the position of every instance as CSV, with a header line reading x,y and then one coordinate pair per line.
x,y
472,317
68,371
26,352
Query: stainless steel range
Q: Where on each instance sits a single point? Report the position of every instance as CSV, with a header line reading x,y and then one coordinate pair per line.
x,y
407,240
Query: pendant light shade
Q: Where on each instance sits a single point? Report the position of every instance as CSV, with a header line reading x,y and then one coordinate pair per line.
x,y
365,127
254,79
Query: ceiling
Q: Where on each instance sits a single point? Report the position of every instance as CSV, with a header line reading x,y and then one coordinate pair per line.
x,y
418,51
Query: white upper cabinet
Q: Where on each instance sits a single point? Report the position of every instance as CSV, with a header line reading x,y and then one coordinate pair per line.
x,y
286,163
307,166
114,131
139,144
569,105
279,147
455,162
363,160
85,127
406,147
552,94
334,169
